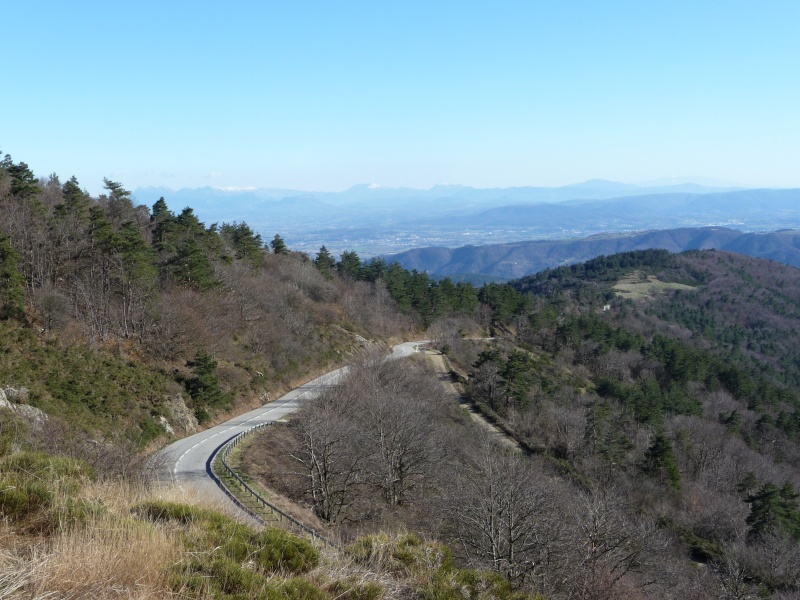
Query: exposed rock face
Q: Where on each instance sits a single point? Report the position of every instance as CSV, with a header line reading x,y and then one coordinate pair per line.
x,y
182,416
18,395
10,399
165,424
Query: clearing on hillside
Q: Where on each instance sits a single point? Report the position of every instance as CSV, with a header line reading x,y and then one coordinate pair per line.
x,y
639,286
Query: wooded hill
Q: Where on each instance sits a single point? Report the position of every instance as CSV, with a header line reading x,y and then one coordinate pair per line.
x,y
126,322
672,379
129,322
501,262
656,398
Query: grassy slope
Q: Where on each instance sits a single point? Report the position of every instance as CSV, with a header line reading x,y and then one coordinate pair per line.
x,y
93,390
67,535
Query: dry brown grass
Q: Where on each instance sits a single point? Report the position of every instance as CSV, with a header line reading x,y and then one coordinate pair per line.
x,y
16,573
112,555
109,558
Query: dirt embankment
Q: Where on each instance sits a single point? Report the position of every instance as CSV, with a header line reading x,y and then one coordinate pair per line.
x,y
441,366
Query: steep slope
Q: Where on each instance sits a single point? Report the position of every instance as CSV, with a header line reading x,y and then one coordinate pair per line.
x,y
131,325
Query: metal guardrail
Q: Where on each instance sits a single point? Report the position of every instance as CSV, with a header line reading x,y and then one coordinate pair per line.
x,y
223,452
225,449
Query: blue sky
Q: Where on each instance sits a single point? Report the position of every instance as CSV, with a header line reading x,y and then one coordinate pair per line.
x,y
326,95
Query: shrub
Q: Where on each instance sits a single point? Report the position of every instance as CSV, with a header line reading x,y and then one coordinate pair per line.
x,y
231,578
158,510
470,585
228,559
404,554
75,512
202,415
36,489
13,501
282,551
40,465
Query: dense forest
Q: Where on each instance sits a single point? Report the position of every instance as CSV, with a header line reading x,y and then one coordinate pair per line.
x,y
654,398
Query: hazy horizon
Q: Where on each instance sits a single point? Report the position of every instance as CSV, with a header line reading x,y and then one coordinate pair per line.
x,y
660,182
324,96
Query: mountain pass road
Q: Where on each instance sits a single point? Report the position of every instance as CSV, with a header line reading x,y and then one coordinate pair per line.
x,y
187,460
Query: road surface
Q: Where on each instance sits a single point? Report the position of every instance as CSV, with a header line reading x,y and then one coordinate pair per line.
x,y
188,459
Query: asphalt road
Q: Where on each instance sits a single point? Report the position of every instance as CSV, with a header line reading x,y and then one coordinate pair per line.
x,y
186,461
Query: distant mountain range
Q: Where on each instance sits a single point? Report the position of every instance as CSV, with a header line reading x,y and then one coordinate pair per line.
x,y
387,198
375,220
514,260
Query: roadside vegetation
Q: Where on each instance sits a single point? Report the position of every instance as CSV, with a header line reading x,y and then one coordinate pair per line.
x,y
659,426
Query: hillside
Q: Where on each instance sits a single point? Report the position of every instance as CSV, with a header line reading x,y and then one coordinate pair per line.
x,y
129,325
655,396
502,262
123,327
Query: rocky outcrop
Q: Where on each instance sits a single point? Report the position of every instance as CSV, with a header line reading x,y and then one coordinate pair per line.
x,y
19,395
165,424
182,417
13,399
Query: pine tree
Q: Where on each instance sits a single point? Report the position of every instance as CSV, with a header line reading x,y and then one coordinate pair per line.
x,y
24,184
375,269
765,511
278,245
790,510
191,266
204,386
76,202
518,374
398,282
774,510
660,461
160,210
120,206
350,265
324,260
246,244
134,276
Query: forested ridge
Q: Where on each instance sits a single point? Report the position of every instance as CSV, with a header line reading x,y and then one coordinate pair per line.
x,y
656,396
181,313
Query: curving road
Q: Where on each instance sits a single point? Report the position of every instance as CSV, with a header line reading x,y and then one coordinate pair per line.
x,y
187,459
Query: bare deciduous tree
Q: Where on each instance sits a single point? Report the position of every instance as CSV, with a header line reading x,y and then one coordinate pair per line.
x,y
611,549
507,519
330,456
397,410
